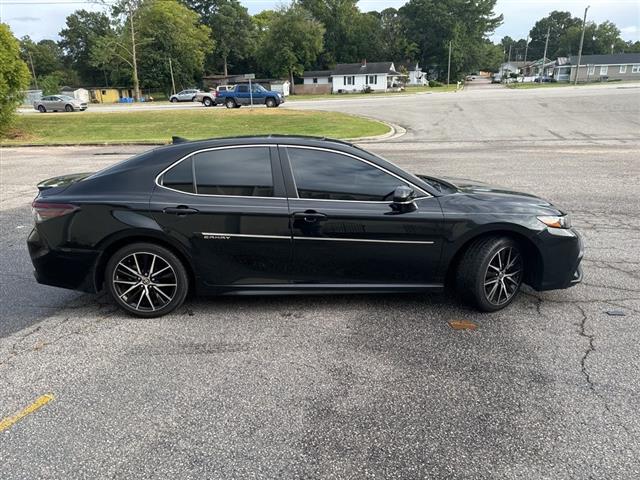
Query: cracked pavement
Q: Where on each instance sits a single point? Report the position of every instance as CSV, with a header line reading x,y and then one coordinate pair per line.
x,y
357,386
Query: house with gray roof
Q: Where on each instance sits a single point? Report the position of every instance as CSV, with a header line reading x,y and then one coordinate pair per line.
x,y
594,68
356,77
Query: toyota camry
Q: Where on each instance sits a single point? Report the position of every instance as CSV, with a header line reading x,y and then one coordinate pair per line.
x,y
288,215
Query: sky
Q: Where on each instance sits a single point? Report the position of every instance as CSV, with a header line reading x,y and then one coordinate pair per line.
x,y
45,18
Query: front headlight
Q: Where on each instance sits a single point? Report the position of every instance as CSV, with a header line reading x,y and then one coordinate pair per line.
x,y
556,221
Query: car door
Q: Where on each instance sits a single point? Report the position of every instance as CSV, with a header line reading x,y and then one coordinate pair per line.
x,y
227,205
242,95
344,230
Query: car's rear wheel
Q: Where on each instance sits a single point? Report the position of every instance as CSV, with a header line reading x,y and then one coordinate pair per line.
x,y
490,273
68,108
146,280
270,103
208,102
174,100
41,109
230,103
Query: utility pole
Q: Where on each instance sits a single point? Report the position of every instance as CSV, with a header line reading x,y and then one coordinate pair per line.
x,y
33,70
509,61
449,66
544,56
526,50
136,82
173,82
584,27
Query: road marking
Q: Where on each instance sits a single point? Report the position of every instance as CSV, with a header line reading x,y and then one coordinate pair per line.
x,y
40,402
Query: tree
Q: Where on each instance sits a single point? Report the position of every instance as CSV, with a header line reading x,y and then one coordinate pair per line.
x,y
432,24
558,23
14,77
169,30
231,28
292,43
78,38
395,43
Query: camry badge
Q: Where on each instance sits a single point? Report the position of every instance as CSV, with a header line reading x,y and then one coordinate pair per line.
x,y
209,236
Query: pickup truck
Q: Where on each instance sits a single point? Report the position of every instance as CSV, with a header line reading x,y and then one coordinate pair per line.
x,y
240,95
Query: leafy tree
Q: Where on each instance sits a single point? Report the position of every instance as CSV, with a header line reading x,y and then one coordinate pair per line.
x,y
169,30
231,28
395,43
46,55
557,23
432,24
78,38
14,77
292,43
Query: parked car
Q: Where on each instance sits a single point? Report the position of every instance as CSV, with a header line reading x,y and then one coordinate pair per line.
x,y
284,215
241,95
469,78
184,96
496,78
543,79
59,103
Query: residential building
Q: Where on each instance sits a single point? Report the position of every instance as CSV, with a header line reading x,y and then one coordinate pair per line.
x,y
596,68
413,71
357,77
315,82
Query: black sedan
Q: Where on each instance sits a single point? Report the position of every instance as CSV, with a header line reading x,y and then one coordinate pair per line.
x,y
286,215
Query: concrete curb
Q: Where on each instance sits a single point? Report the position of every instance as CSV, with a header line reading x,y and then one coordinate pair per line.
x,y
395,131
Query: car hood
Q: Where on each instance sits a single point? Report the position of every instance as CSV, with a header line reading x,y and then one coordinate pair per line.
x,y
486,194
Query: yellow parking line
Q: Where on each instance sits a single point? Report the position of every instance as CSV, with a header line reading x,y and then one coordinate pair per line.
x,y
40,402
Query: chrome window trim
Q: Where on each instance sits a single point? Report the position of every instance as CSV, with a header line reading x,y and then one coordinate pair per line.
x,y
269,145
225,147
332,239
404,180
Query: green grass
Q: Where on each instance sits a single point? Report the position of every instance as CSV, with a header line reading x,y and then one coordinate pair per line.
x,y
159,126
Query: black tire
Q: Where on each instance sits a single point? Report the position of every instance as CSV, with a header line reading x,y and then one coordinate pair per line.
x,y
41,109
270,102
68,108
490,273
193,99
230,103
151,295
207,102
174,100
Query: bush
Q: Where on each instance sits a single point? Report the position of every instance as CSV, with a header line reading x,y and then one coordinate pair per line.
x,y
433,83
366,89
14,77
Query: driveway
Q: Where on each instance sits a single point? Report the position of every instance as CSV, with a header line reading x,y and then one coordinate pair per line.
x,y
353,386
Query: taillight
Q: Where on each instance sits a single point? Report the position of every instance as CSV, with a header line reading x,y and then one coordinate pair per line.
x,y
44,211
215,93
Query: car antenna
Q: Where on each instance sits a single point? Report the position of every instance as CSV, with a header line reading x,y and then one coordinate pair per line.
x,y
175,140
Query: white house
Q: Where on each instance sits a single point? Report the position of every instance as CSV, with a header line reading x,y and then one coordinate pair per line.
x,y
415,75
356,77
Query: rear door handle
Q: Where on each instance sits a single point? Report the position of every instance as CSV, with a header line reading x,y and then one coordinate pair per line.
x,y
180,210
310,216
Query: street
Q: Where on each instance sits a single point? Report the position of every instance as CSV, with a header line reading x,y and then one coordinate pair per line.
x,y
363,386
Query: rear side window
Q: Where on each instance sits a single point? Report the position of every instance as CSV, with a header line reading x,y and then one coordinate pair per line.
x,y
243,89
180,177
234,171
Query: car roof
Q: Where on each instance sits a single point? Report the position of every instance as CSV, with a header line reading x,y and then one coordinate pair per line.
x,y
272,139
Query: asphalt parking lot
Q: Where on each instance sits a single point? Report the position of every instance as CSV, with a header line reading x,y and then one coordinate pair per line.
x,y
353,386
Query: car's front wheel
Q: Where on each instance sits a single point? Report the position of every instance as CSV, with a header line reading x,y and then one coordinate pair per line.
x,y
271,103
68,108
146,280
490,273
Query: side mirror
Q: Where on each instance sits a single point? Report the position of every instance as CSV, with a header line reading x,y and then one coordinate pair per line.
x,y
403,199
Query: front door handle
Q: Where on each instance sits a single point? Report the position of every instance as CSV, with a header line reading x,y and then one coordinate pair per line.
x,y
309,216
180,210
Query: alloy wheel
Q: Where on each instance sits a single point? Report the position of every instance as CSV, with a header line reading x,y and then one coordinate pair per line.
x,y
145,281
503,276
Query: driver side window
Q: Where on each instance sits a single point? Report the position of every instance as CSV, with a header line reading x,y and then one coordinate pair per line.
x,y
323,175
